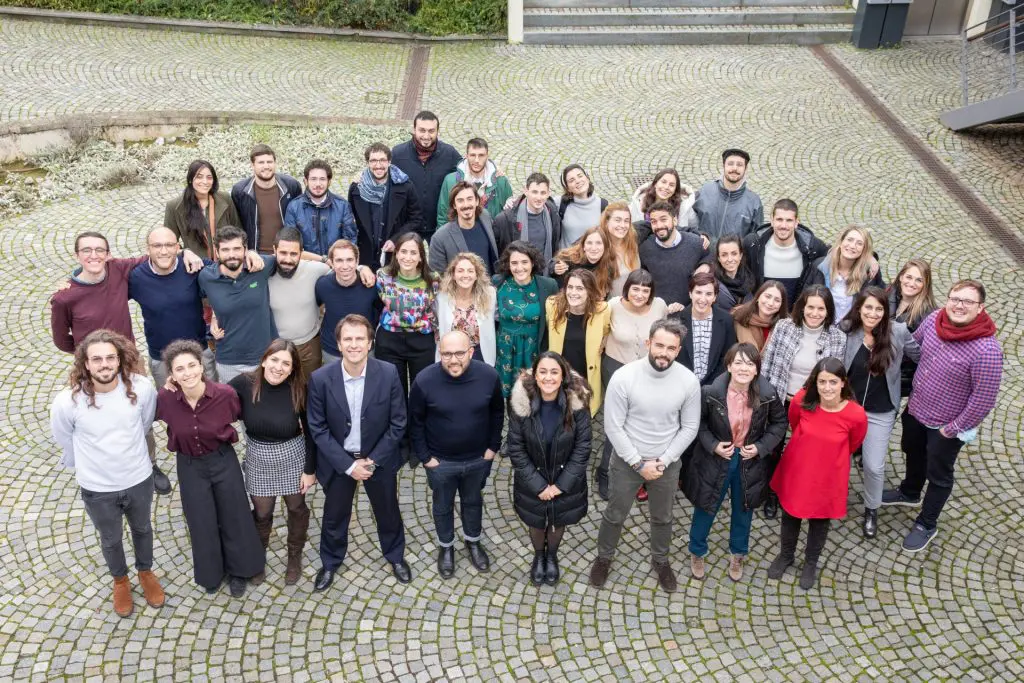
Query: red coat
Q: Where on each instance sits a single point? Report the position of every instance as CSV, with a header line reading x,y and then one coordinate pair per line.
x,y
813,476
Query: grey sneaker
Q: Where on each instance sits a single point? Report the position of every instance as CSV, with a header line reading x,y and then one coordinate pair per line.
x,y
918,538
897,497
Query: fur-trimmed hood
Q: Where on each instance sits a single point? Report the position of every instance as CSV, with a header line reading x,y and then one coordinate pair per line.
x,y
525,394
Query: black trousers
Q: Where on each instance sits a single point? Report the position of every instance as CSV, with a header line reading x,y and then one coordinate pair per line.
x,y
339,492
931,457
220,524
410,352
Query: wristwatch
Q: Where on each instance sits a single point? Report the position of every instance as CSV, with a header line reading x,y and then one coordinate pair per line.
x,y
638,466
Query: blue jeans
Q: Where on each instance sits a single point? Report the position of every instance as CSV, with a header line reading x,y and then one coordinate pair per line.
x,y
739,529
467,478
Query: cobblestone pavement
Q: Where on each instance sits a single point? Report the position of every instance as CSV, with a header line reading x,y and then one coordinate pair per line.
x,y
952,612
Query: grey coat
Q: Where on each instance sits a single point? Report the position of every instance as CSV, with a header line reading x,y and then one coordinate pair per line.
x,y
718,211
449,241
903,344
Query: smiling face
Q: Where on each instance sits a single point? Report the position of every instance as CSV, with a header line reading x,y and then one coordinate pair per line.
x,y
871,313
425,132
734,170
466,202
231,254
911,282
92,254
162,247
729,257
593,247
378,164
354,343
345,265
102,363
769,303
575,293
852,245
202,182
408,257
783,225
187,371
742,370
264,166
815,312
521,267
663,225
536,195
287,255
548,376
662,349
665,187
317,183
619,224
639,295
456,353
577,183
476,160
964,305
464,274
277,367
703,298
830,388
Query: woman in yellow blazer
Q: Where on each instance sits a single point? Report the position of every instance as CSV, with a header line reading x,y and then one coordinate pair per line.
x,y
578,324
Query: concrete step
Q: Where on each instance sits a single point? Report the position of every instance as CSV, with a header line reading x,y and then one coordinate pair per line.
x,y
652,16
676,4
735,34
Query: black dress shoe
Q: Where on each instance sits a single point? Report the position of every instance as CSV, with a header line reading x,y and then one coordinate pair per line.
x,y
537,573
602,487
237,586
551,572
324,579
401,571
477,556
212,589
870,525
161,484
771,507
446,562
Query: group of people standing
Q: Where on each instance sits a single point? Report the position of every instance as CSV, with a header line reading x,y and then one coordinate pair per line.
x,y
349,337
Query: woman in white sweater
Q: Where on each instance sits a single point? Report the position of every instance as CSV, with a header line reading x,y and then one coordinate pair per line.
x,y
466,302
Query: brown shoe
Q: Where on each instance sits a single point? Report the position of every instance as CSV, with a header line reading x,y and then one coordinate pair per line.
x,y
257,579
736,567
666,577
697,568
123,605
599,572
151,589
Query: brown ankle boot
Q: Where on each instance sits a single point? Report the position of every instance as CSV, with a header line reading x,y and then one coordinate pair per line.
x,y
151,589
298,526
123,605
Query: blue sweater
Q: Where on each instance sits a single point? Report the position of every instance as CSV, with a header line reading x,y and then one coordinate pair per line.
x,y
339,301
456,418
172,306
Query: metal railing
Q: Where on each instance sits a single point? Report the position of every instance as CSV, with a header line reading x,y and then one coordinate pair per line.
x,y
992,54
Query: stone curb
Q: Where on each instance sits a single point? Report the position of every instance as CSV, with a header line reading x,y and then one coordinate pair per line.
x,y
230,28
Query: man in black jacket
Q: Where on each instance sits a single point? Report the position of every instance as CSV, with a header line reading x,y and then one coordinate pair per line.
x,y
426,160
262,199
783,250
385,206
533,219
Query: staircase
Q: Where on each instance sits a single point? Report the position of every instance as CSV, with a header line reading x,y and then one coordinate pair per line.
x,y
686,22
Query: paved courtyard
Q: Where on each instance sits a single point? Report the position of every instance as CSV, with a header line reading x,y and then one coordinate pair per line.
x,y
953,612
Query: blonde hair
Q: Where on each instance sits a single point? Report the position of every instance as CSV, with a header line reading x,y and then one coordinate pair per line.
x,y
482,288
923,303
859,270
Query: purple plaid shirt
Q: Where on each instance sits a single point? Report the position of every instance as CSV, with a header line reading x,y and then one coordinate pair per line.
x,y
956,383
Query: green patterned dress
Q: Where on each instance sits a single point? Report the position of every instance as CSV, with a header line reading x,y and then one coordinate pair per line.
x,y
519,312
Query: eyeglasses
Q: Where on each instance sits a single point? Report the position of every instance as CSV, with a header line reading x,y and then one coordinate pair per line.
x,y
458,355
957,301
89,251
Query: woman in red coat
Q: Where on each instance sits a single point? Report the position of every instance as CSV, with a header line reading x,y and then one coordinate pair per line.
x,y
813,477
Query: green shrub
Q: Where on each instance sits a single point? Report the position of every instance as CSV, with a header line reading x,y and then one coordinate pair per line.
x,y
379,15
446,17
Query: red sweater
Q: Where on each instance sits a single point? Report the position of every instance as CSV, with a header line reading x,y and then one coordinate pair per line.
x,y
81,308
813,476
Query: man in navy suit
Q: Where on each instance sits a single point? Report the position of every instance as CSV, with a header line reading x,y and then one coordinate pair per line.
x,y
356,412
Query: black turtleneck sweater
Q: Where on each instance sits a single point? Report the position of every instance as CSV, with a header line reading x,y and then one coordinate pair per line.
x,y
273,417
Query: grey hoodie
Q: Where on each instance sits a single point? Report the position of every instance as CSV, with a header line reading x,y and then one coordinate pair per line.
x,y
717,211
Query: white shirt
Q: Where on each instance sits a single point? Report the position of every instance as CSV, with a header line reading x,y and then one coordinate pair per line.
x,y
354,387
106,443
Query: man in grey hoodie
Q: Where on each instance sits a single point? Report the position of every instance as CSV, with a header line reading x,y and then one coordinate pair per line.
x,y
727,206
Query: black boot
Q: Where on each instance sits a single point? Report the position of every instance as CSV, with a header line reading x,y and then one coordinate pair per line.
x,y
790,532
870,524
537,570
602,485
817,533
771,506
551,571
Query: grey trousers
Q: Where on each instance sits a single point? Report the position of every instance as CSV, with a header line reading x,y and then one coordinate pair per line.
x,y
622,485
875,451
226,373
108,509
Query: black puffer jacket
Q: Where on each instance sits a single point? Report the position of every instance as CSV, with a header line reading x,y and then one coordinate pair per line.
x,y
566,467
706,472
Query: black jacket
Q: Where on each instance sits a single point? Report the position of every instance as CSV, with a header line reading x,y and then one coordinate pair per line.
x,y
244,197
535,469
403,215
723,336
427,177
705,473
810,247
507,229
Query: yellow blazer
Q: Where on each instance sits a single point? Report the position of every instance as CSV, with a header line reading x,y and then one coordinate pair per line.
x,y
597,331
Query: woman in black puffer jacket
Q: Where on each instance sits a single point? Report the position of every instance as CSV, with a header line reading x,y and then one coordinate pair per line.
x,y
549,446
742,420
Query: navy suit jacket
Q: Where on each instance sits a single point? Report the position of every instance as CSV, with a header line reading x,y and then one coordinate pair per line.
x,y
383,418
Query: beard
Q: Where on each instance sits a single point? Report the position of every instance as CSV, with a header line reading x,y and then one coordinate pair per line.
x,y
654,362
231,264
286,271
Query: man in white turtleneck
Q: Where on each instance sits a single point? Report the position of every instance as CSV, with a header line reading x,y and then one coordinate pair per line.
x,y
651,412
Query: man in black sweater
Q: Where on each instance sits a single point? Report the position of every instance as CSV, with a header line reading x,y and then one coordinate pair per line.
x,y
671,256
456,412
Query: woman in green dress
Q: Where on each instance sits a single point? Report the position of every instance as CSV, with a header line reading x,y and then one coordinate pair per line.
x,y
522,325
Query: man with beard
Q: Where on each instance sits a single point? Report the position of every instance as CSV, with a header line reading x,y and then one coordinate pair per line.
x,y
491,186
240,299
651,415
321,216
262,199
426,160
785,250
101,422
385,205
469,229
533,218
670,256
727,206
456,411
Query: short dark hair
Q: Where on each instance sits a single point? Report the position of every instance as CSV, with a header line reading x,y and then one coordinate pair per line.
x,y
701,279
376,147
318,164
750,352
670,325
785,205
228,233
638,278
353,319
478,143
820,291
90,233
735,152
260,150
969,284
288,234
833,366
180,347
426,115
537,178
662,205
520,247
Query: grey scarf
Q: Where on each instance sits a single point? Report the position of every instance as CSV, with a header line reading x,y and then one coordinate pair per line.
x,y
523,222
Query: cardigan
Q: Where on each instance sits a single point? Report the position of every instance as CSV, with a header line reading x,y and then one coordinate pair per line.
x,y
445,308
598,327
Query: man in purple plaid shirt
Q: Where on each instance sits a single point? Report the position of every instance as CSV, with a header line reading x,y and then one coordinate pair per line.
x,y
955,387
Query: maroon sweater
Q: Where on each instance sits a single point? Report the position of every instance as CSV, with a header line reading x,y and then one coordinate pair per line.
x,y
81,308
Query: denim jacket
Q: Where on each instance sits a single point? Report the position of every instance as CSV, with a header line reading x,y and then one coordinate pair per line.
x,y
321,226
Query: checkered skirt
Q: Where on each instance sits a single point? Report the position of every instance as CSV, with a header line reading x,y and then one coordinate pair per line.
x,y
274,469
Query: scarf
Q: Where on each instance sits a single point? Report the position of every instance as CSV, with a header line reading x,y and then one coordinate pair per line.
x,y
523,223
982,326
483,188
740,286
423,152
370,191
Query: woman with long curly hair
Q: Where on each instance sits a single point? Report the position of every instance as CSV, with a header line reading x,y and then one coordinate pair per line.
x,y
466,302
